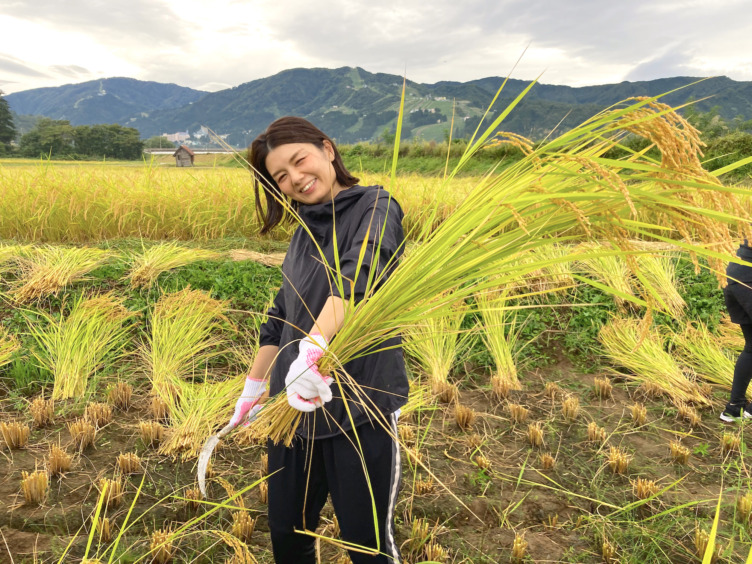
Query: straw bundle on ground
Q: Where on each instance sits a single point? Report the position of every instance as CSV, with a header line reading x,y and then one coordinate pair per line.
x,y
699,349
564,192
8,345
181,337
553,271
659,274
47,270
608,269
627,343
436,343
75,346
500,333
150,263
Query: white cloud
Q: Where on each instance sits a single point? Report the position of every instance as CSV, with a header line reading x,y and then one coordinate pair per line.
x,y
228,42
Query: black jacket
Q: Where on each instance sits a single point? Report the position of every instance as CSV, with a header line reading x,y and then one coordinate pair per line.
x,y
738,272
307,283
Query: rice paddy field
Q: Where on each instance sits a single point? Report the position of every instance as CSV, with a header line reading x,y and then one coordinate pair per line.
x,y
564,395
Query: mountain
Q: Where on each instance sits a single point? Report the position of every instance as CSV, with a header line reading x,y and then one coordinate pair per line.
x,y
352,104
110,100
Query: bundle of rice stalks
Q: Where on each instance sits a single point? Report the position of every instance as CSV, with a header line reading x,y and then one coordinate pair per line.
x,y
47,270
570,408
195,413
657,276
702,543
104,528
552,271
181,340
679,453
547,461
15,434
464,416
564,192
609,269
436,343
519,548
629,343
500,332
8,346
618,460
42,410
35,486
74,347
12,252
699,349
730,336
639,414
150,263
243,525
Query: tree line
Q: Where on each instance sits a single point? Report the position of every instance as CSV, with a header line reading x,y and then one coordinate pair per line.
x,y
59,139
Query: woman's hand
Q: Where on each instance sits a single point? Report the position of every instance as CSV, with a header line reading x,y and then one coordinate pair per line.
x,y
307,388
247,406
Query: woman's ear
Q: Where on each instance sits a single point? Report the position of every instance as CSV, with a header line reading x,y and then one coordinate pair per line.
x,y
328,149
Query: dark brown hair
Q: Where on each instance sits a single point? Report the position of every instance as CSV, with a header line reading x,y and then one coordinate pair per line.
x,y
281,132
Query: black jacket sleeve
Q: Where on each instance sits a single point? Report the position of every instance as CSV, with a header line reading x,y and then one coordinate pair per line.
x,y
270,331
377,244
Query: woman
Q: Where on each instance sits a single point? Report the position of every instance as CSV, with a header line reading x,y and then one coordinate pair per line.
x,y
295,160
738,297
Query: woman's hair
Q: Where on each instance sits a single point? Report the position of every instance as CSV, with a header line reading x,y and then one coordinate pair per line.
x,y
281,132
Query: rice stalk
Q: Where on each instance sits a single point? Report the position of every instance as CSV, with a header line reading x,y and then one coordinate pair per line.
x,y
641,352
241,553
150,263
42,410
196,410
47,270
436,343
83,433
35,486
699,349
181,339
74,347
120,395
659,274
8,345
729,335
553,272
500,334
609,269
564,192
58,461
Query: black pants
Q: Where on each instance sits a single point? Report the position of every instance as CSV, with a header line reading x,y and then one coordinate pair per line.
x,y
310,470
738,298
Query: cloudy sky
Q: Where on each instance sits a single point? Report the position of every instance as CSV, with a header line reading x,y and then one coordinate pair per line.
x,y
222,43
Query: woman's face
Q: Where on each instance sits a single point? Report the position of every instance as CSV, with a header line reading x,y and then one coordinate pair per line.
x,y
304,172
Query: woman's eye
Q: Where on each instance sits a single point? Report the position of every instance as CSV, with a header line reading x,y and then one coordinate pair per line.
x,y
281,177
300,160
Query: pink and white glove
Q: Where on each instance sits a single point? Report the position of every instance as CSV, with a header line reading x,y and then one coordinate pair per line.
x,y
247,406
307,388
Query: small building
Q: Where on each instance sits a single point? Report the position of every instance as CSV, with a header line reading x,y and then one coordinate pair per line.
x,y
183,156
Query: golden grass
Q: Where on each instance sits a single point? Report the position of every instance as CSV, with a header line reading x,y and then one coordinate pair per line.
x,y
45,271
150,263
74,347
628,343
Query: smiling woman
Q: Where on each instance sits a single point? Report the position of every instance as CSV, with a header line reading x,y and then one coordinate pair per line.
x,y
345,444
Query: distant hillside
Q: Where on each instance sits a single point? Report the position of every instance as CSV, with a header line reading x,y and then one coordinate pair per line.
x,y
110,100
352,104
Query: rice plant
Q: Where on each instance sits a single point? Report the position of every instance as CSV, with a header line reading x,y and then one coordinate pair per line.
x,y
639,414
553,270
8,346
500,334
74,347
700,350
435,344
42,410
47,270
83,433
15,434
679,453
566,191
640,350
609,269
58,461
120,395
658,272
181,338
150,263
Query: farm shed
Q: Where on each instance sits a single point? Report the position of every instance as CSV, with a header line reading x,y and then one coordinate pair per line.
x,y
183,156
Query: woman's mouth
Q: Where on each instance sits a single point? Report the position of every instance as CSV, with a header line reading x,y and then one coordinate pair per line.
x,y
307,188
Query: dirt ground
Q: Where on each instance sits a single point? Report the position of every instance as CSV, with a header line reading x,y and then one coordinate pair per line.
x,y
475,507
